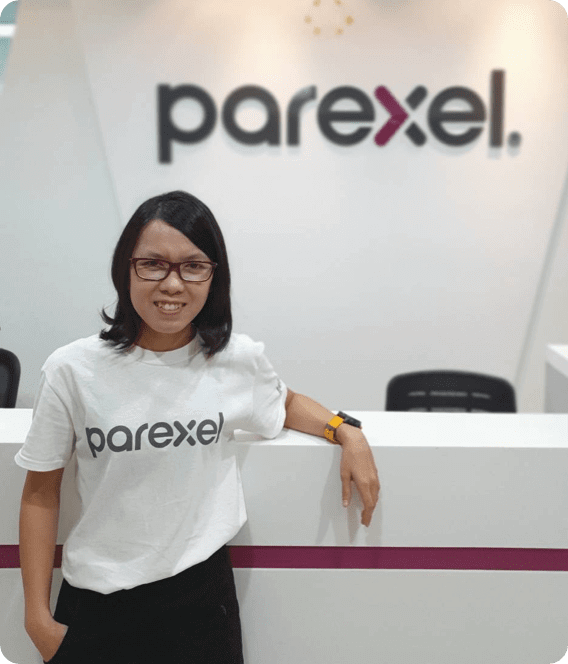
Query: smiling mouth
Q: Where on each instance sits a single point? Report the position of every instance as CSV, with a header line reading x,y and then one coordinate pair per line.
x,y
169,307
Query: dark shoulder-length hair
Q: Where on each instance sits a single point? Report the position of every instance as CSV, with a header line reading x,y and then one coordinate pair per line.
x,y
194,219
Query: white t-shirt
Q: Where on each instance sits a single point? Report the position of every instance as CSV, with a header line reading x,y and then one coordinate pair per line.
x,y
156,457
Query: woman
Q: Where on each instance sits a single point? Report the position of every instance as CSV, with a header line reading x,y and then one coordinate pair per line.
x,y
150,406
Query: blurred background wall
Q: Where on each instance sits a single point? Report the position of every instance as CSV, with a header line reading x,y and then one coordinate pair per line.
x,y
352,262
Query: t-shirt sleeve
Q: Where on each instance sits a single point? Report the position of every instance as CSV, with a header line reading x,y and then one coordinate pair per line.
x,y
269,398
50,440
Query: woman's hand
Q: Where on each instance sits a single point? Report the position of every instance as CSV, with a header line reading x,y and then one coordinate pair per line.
x,y
47,635
358,465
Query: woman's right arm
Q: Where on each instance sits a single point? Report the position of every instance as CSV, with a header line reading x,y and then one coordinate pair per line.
x,y
39,518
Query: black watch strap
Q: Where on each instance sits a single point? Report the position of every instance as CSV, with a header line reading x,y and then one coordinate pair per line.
x,y
350,420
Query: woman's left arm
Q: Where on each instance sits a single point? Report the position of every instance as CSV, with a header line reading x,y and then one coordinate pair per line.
x,y
357,463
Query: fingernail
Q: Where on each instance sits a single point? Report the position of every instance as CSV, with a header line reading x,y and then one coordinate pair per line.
x,y
345,503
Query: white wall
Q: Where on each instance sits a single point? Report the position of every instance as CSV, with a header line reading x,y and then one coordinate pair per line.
x,y
59,216
352,264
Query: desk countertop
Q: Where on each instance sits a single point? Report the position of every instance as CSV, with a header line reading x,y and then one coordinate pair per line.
x,y
447,480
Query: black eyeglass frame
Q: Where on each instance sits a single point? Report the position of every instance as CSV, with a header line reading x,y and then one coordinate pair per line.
x,y
173,266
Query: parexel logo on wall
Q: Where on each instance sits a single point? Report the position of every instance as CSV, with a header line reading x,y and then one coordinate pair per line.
x,y
327,117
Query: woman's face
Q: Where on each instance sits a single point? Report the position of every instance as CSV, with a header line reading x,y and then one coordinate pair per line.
x,y
162,330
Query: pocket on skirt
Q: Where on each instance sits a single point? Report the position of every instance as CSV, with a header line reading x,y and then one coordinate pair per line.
x,y
63,648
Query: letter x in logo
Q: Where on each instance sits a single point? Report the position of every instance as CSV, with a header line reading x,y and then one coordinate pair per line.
x,y
399,115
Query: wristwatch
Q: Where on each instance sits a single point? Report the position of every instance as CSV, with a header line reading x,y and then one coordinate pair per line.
x,y
335,422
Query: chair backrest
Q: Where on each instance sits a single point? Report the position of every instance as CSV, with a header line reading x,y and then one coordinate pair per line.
x,y
450,391
9,378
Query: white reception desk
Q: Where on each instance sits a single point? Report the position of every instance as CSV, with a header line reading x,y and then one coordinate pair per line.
x,y
465,559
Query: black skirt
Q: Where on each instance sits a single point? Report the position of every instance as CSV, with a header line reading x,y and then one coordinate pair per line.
x,y
190,618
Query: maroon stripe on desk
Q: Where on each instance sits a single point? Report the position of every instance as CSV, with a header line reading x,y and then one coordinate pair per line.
x,y
363,557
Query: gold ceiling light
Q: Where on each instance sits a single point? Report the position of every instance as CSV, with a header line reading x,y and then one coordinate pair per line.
x,y
328,17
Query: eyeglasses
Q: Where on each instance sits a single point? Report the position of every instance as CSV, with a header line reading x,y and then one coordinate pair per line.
x,y
152,269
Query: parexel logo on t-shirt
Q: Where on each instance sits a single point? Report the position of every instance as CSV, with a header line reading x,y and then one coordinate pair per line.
x,y
123,439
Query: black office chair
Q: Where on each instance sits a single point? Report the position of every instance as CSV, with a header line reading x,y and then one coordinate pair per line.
x,y
9,378
450,391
